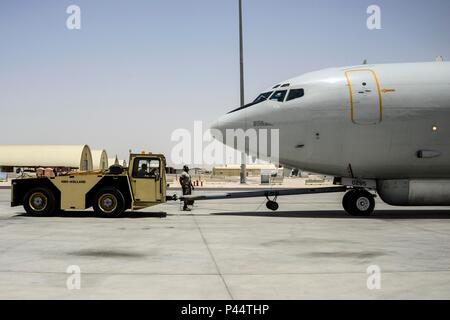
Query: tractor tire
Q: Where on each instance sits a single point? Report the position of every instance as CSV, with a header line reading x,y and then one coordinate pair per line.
x,y
109,202
39,202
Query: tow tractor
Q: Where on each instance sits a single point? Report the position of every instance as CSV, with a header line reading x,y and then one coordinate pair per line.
x,y
110,193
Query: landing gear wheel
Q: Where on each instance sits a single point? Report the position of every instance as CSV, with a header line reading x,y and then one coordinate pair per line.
x,y
359,203
109,203
272,205
39,202
347,198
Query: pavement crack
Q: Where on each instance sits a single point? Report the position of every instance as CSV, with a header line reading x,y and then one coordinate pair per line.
x,y
213,258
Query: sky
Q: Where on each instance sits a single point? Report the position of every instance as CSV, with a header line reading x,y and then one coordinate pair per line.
x,y
138,70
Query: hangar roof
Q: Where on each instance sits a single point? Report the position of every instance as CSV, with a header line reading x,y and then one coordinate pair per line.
x,y
68,156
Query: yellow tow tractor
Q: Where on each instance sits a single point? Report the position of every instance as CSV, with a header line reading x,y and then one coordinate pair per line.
x,y
110,193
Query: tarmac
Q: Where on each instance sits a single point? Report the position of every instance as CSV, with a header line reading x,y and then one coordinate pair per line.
x,y
228,249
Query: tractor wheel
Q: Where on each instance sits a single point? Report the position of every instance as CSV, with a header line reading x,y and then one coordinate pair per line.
x,y
39,202
109,202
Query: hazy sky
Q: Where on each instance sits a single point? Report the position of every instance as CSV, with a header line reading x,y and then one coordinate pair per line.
x,y
137,70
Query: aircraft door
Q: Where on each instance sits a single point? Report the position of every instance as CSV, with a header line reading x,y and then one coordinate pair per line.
x,y
366,105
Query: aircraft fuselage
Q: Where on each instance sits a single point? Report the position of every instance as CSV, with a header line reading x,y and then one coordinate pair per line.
x,y
387,123
382,121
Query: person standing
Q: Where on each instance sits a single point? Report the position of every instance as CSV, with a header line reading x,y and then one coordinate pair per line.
x,y
186,186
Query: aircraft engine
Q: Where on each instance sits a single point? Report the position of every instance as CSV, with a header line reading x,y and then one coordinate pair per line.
x,y
416,192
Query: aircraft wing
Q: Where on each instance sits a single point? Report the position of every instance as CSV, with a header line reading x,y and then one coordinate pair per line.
x,y
262,193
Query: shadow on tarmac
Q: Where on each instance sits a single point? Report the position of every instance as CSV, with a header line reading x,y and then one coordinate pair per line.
x,y
335,214
91,214
340,214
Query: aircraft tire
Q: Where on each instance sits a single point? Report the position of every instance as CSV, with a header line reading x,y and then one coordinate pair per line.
x,y
109,203
272,205
346,199
359,203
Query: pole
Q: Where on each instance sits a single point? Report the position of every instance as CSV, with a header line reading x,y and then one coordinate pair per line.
x,y
241,54
243,174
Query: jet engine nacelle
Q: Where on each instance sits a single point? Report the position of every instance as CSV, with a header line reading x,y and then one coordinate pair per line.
x,y
415,192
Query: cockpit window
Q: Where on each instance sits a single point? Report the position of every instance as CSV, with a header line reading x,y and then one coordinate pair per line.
x,y
295,94
262,97
276,86
279,96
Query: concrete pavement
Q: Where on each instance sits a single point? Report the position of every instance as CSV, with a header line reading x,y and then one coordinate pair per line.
x,y
228,249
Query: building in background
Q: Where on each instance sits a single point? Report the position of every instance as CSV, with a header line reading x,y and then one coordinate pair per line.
x,y
116,161
192,171
171,170
99,159
254,170
123,163
68,157
113,161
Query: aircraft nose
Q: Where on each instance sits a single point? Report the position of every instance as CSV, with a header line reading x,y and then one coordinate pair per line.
x,y
216,125
218,129
229,122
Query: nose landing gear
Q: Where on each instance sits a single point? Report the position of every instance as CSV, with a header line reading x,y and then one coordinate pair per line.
x,y
358,202
272,204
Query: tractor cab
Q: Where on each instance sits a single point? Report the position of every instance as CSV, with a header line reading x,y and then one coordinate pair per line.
x,y
147,176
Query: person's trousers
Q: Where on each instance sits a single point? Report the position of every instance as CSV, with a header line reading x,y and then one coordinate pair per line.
x,y
187,191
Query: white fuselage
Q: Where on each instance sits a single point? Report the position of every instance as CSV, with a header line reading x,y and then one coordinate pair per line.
x,y
381,122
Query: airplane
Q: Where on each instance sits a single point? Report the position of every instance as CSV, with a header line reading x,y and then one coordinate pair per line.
x,y
377,128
